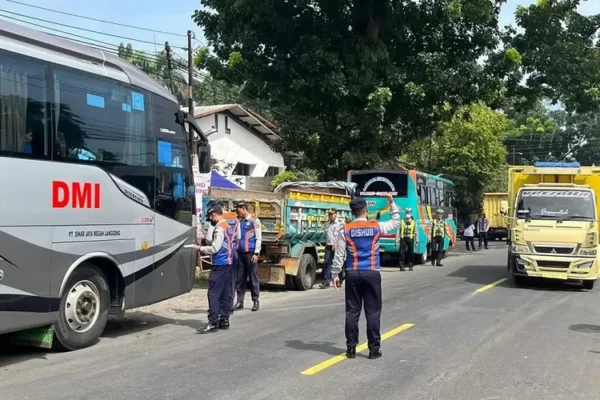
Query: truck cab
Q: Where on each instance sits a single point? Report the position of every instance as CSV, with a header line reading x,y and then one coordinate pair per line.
x,y
553,228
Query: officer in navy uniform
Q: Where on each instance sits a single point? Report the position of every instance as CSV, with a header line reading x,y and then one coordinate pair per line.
x,y
358,243
248,252
438,234
220,295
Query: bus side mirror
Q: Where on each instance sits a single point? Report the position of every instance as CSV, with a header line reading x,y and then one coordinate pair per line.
x,y
504,207
204,158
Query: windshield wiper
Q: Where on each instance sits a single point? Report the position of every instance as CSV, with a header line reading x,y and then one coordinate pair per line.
x,y
570,217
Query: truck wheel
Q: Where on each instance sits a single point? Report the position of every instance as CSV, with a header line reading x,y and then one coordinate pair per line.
x,y
83,309
588,285
307,273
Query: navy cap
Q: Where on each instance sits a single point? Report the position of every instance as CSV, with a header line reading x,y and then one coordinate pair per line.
x,y
241,204
358,203
214,209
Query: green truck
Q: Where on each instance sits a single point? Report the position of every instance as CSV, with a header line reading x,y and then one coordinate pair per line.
x,y
293,219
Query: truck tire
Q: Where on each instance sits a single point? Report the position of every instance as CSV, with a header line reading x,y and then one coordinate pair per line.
x,y
307,273
588,285
83,311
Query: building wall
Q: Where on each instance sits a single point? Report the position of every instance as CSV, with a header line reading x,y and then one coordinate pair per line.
x,y
240,145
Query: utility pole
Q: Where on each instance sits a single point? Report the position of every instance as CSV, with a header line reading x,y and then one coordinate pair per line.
x,y
190,74
514,156
169,66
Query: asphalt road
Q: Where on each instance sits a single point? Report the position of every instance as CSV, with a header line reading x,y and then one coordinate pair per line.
x,y
504,342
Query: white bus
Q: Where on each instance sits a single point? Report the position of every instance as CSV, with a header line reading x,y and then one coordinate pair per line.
x,y
95,179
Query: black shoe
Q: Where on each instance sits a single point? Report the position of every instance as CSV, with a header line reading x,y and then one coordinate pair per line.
x,y
402,269
256,306
351,352
223,324
375,354
439,264
239,306
410,267
432,262
207,329
323,285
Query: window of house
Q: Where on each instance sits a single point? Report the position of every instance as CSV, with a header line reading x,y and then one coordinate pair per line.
x,y
23,108
272,171
227,130
216,125
242,169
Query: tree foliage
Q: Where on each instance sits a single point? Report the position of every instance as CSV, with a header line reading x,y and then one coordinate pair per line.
x,y
467,149
351,83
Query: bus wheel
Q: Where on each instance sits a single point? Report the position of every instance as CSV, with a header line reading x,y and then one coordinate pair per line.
x,y
83,308
420,258
307,273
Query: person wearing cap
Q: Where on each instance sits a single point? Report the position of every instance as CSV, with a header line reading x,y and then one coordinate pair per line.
x,y
358,244
220,296
248,252
332,228
438,234
405,240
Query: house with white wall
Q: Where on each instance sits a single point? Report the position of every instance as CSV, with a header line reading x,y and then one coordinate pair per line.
x,y
241,141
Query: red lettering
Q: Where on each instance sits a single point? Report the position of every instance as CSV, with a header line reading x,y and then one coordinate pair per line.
x,y
60,194
80,194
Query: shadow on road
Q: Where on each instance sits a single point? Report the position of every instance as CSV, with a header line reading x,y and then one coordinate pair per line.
x,y
480,274
321,347
549,285
585,328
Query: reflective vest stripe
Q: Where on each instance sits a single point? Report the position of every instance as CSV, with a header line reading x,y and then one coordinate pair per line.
x,y
354,253
374,251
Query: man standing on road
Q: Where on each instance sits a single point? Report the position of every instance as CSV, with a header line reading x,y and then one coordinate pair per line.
x,y
332,228
405,240
220,296
249,250
438,234
358,243
482,229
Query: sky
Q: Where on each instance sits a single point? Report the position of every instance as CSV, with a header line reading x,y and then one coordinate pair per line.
x,y
169,16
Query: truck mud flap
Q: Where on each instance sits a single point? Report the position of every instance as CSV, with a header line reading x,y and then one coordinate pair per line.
x,y
271,274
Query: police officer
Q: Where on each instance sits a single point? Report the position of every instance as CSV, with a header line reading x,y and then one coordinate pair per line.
x,y
358,243
220,296
234,225
438,234
406,241
332,228
249,250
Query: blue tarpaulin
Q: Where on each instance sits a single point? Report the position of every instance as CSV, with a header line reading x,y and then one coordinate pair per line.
x,y
219,181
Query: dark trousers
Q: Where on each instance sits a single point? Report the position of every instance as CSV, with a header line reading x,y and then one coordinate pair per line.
x,y
234,274
327,265
470,240
363,288
247,269
437,250
220,296
405,255
483,236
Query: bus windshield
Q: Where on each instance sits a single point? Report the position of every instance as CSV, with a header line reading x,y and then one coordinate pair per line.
x,y
378,184
555,204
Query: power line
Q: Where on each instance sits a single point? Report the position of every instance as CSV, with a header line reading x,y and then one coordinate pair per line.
x,y
96,19
85,29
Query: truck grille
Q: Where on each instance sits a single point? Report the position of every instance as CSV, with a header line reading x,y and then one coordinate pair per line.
x,y
554,264
553,250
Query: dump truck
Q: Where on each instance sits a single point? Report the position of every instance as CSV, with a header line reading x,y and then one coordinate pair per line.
x,y
293,219
491,207
552,210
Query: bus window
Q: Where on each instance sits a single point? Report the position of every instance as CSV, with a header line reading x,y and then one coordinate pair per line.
x,y
380,183
23,131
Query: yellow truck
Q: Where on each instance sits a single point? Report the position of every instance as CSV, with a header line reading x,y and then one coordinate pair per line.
x,y
552,213
492,207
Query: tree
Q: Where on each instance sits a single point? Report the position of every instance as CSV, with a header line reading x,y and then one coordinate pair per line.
x,y
555,44
469,150
351,83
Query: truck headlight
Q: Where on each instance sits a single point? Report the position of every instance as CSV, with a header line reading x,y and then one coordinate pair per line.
x,y
586,265
516,248
588,252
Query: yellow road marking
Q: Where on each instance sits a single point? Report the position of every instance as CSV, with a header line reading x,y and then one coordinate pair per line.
x,y
334,360
491,285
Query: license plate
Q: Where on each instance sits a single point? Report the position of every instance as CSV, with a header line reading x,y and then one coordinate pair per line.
x,y
554,275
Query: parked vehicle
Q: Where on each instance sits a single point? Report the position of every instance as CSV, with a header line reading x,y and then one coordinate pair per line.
x,y
492,208
293,221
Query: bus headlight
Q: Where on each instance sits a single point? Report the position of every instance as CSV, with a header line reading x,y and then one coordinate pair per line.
x,y
588,252
586,265
519,249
